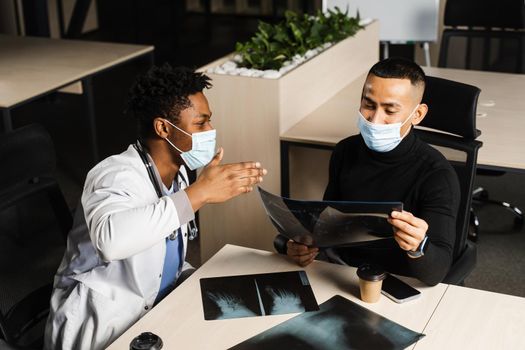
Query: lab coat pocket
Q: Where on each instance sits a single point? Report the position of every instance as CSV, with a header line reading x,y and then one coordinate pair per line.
x,y
108,318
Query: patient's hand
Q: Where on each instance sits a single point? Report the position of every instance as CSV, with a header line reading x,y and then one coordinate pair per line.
x,y
230,305
300,253
284,301
409,231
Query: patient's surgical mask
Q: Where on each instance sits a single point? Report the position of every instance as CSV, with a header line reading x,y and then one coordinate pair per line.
x,y
382,137
202,148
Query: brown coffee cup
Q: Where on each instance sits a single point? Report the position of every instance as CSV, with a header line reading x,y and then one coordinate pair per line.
x,y
370,281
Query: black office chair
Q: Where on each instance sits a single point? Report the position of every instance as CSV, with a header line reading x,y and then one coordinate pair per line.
x,y
453,131
34,222
495,27
495,41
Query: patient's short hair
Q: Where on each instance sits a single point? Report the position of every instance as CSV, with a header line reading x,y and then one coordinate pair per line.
x,y
399,68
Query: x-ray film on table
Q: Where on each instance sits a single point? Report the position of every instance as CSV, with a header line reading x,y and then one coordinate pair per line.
x,y
257,295
339,324
329,223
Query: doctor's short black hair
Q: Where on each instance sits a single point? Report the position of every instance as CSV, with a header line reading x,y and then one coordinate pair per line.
x,y
399,68
163,91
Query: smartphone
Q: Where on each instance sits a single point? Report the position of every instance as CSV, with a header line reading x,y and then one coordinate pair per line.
x,y
398,290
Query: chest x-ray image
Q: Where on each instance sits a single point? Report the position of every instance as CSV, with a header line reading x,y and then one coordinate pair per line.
x,y
256,295
326,224
339,324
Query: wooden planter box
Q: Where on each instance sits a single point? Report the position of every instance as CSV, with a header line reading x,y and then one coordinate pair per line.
x,y
251,113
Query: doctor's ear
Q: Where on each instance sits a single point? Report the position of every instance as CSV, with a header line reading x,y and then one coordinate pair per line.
x,y
161,127
420,114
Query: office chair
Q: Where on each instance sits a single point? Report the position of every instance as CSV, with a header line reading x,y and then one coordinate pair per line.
x,y
483,24
495,29
453,132
34,222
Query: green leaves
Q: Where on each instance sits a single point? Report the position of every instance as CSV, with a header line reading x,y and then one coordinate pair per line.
x,y
272,45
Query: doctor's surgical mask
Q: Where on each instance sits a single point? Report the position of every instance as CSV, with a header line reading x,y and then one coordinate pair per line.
x,y
202,147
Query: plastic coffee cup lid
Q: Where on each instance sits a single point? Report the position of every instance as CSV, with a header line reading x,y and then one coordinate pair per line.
x,y
370,272
146,341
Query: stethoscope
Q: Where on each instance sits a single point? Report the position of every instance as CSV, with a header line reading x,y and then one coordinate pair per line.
x,y
193,230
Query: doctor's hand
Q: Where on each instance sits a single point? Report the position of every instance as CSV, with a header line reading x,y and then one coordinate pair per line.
x,y
300,253
409,231
220,182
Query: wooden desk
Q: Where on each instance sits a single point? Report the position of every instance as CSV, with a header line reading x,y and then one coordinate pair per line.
x,y
502,125
179,318
32,67
475,319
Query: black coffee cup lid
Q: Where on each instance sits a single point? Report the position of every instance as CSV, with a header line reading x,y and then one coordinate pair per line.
x,y
146,341
370,272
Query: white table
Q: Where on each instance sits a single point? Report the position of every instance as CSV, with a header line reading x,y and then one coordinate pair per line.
x,y
179,318
474,319
451,317
501,119
32,67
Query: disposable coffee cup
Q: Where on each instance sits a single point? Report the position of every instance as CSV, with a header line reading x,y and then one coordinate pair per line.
x,y
370,281
146,341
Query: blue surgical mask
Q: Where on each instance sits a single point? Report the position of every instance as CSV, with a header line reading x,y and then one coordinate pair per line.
x,y
381,137
202,148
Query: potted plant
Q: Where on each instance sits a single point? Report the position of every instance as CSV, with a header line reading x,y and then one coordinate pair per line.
x,y
274,50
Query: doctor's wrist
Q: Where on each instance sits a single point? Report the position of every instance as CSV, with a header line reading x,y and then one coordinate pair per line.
x,y
196,196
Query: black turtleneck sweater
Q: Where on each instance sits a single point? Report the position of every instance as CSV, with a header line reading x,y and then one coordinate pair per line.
x,y
413,173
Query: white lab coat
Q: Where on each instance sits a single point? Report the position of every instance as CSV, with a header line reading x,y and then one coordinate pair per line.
x,y
111,271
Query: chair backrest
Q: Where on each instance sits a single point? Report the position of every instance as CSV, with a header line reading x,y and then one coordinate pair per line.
x,y
452,107
485,35
485,13
452,110
33,219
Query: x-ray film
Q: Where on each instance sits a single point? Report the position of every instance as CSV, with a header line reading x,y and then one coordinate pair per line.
x,y
329,223
257,295
339,324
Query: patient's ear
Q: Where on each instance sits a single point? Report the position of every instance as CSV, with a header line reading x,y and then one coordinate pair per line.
x,y
419,114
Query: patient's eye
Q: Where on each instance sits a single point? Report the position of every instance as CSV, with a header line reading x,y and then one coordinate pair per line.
x,y
390,110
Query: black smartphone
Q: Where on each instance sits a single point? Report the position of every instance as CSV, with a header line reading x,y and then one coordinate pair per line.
x,y
398,290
